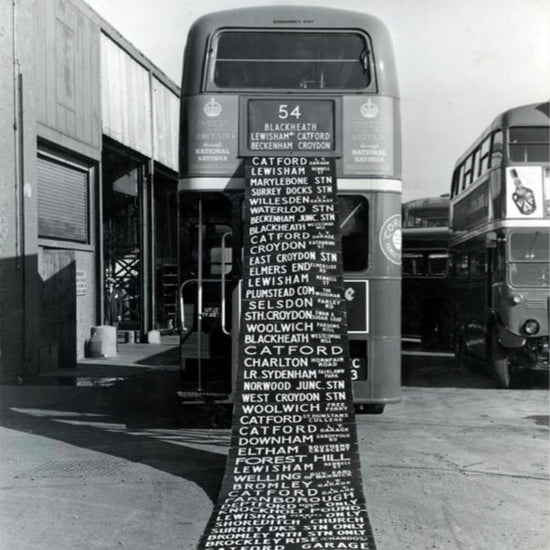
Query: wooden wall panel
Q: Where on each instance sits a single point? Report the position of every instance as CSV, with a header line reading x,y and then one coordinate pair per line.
x,y
126,98
166,105
67,71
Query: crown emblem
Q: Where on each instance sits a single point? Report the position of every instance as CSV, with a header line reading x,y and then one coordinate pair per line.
x,y
212,108
369,109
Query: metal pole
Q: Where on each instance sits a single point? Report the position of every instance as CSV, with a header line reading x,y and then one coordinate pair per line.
x,y
199,298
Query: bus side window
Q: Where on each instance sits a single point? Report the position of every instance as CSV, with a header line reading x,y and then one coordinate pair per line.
x,y
461,266
546,190
499,267
461,184
412,264
437,264
478,264
485,150
476,166
497,149
455,186
467,172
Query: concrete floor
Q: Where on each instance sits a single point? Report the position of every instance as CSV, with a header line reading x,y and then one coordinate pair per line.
x,y
457,464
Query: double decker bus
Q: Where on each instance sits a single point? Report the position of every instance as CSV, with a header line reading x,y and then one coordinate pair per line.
x,y
294,81
500,219
425,293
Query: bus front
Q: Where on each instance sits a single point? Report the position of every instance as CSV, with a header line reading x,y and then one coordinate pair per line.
x,y
303,82
522,261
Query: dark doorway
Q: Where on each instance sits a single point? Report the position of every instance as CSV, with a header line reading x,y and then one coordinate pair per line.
x,y
165,245
122,251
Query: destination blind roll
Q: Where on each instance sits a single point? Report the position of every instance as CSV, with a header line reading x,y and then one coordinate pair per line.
x,y
292,479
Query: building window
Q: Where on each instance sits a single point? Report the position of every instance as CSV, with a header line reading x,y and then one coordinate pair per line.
x,y
63,200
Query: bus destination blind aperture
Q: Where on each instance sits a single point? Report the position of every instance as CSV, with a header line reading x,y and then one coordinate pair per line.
x,y
303,126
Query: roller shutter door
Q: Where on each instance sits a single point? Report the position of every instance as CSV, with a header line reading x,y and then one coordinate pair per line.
x,y
63,196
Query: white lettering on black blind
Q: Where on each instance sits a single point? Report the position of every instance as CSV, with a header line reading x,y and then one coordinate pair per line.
x,y
293,477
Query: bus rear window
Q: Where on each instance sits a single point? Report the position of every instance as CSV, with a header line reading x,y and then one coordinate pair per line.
x,y
529,144
428,217
291,60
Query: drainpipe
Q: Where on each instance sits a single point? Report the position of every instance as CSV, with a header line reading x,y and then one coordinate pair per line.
x,y
18,138
151,209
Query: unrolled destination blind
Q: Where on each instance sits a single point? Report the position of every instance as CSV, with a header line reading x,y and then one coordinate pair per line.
x,y
292,479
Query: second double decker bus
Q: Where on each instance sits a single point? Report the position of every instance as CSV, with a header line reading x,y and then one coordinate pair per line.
x,y
500,220
295,81
425,292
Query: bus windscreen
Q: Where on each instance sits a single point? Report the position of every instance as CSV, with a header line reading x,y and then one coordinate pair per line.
x,y
529,144
529,255
291,60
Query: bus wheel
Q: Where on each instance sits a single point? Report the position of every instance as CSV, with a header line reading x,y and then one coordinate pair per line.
x,y
500,363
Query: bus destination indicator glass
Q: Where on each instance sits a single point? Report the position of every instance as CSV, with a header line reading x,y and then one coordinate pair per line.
x,y
290,126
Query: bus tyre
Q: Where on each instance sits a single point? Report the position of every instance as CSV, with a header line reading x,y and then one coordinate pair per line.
x,y
500,363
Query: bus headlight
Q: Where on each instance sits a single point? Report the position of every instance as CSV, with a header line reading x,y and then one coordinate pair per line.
x,y
517,299
531,327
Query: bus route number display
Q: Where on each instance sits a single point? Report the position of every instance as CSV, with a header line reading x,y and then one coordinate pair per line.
x,y
290,126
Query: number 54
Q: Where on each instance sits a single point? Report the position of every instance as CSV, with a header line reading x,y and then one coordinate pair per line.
x,y
283,112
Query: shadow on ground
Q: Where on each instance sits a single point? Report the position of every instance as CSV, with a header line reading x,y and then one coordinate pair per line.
x,y
432,370
137,417
168,357
124,420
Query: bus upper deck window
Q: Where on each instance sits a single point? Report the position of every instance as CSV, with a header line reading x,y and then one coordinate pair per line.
x,y
291,60
529,144
428,217
354,227
496,149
